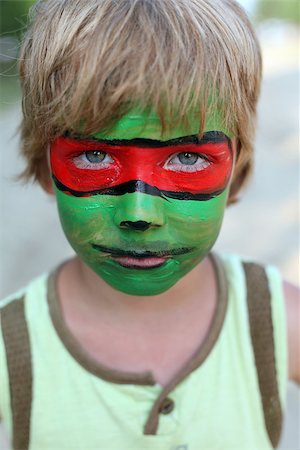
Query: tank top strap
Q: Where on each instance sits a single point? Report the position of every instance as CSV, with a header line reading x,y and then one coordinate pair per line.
x,y
18,355
261,330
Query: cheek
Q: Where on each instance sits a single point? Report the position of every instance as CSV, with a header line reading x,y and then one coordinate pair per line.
x,y
84,220
197,222
188,223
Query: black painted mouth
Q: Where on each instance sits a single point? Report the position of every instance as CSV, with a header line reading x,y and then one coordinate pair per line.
x,y
142,253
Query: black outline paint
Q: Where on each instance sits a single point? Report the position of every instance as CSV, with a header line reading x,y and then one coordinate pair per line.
x,y
138,186
143,253
208,137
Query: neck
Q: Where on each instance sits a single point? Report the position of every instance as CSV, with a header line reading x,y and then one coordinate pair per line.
x,y
91,296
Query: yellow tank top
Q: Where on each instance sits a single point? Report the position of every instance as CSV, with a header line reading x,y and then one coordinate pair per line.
x,y
213,403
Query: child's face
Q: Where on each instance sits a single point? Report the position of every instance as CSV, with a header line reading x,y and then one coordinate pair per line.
x,y
140,208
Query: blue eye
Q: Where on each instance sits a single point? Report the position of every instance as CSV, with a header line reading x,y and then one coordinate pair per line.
x,y
94,160
187,162
95,156
188,158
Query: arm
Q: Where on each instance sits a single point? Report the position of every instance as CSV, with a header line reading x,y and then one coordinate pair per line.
x,y
292,302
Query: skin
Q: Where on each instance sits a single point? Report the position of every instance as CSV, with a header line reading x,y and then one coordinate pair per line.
x,y
142,220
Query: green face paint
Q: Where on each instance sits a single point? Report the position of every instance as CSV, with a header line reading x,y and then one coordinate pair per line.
x,y
146,212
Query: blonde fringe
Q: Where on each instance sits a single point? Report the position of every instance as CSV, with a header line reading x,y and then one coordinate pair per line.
x,y
96,59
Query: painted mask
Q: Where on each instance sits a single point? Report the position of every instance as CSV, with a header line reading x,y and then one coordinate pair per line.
x,y
139,207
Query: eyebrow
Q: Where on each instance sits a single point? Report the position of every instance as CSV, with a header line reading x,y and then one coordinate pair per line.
x,y
207,138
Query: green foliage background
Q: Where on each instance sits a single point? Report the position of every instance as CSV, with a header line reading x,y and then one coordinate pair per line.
x,y
13,23
14,16
288,10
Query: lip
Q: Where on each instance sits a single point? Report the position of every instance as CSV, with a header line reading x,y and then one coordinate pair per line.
x,y
140,263
141,259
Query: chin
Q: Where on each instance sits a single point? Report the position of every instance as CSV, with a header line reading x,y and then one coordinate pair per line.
x,y
142,290
143,283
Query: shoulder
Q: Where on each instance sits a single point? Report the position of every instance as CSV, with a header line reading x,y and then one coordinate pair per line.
x,y
285,302
15,312
35,286
239,268
19,308
23,304
243,274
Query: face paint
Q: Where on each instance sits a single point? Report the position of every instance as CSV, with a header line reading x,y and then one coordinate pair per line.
x,y
142,211
186,168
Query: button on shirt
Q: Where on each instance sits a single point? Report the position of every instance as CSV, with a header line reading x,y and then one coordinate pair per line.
x,y
166,406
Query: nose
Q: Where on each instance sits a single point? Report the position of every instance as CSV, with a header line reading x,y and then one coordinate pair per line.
x,y
140,212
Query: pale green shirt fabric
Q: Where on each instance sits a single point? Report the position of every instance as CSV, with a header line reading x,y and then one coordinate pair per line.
x,y
217,406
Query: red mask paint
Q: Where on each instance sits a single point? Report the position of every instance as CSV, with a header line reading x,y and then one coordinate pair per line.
x,y
142,162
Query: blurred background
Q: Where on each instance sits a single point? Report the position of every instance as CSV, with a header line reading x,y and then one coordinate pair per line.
x,y
264,225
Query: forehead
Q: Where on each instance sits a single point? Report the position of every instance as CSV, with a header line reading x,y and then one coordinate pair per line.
x,y
147,125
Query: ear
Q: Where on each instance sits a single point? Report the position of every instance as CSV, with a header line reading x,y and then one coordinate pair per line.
x,y
46,183
45,178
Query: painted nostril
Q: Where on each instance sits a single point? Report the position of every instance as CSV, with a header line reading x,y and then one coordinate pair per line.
x,y
139,225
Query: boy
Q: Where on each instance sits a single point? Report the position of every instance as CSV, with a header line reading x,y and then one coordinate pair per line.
x,y
139,117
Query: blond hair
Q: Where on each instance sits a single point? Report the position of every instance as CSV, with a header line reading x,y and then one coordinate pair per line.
x,y
95,59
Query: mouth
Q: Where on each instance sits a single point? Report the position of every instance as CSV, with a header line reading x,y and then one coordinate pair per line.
x,y
141,259
140,263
